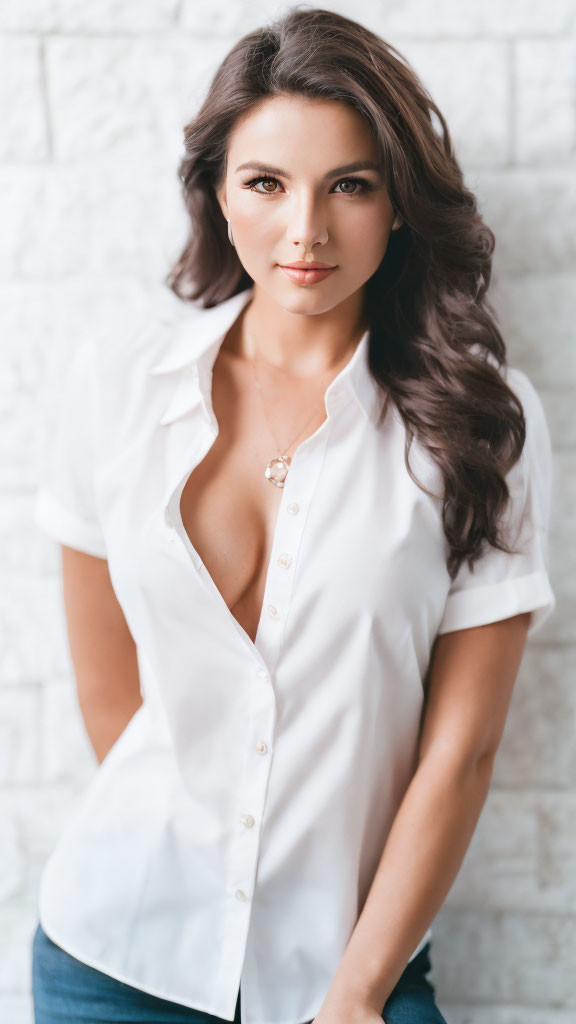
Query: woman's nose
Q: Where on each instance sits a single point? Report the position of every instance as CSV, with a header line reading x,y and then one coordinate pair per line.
x,y
306,223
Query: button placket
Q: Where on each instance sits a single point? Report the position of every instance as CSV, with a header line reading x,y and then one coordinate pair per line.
x,y
252,787
301,481
299,488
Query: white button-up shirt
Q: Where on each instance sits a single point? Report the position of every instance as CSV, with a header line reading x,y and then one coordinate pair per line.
x,y
232,832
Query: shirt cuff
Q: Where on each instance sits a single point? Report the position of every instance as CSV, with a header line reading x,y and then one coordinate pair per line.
x,y
66,527
477,606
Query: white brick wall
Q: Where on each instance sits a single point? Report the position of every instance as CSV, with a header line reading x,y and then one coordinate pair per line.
x,y
93,98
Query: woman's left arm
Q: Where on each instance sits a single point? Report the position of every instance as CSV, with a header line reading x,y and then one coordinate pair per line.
x,y
470,681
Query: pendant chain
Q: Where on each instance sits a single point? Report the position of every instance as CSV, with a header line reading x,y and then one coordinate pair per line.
x,y
277,467
260,392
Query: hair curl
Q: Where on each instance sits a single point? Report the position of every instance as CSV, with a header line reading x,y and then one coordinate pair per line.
x,y
434,342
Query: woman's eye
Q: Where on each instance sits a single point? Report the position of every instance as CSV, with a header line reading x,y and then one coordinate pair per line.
x,y
257,182
363,185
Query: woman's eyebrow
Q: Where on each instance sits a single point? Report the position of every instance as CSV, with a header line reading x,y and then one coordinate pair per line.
x,y
358,165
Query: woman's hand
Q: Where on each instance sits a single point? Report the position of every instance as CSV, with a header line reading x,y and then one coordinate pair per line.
x,y
355,1012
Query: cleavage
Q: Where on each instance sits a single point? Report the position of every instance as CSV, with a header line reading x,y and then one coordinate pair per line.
x,y
229,509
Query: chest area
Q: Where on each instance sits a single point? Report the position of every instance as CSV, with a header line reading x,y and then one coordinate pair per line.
x,y
349,542
228,507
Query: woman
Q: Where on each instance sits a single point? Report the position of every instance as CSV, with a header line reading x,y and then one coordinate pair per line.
x,y
304,524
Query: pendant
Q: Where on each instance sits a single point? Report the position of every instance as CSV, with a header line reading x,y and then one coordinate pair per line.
x,y
277,470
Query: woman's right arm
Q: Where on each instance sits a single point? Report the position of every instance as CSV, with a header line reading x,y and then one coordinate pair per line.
x,y
102,649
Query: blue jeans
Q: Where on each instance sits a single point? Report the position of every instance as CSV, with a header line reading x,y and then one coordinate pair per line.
x,y
65,990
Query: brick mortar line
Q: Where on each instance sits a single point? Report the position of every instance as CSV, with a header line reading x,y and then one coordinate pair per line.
x,y
46,105
512,108
562,35
560,167
493,911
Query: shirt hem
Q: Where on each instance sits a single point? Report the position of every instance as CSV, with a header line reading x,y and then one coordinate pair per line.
x,y
126,979
158,993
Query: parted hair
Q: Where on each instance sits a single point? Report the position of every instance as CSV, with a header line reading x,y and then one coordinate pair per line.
x,y
435,345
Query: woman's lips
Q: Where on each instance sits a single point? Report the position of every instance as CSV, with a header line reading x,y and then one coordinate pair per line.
x,y
307,276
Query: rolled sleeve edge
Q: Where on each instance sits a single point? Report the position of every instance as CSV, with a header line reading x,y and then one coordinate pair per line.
x,y
477,606
65,526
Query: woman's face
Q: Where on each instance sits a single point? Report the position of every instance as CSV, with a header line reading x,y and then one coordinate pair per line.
x,y
305,207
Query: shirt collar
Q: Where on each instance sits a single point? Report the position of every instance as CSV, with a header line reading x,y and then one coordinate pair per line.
x,y
195,336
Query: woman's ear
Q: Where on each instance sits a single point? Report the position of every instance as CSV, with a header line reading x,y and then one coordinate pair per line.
x,y
220,196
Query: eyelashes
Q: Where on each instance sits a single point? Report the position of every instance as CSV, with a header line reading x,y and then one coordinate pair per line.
x,y
364,183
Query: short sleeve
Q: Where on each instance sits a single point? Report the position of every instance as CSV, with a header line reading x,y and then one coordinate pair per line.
x,y
65,506
500,584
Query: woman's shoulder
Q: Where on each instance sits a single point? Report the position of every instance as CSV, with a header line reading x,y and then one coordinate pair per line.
x,y
524,388
521,383
145,337
516,378
538,444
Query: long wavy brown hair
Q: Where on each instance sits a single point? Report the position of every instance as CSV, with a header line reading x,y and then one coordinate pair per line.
x,y
434,342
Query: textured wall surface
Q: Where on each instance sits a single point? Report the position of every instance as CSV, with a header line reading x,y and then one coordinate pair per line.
x,y
93,97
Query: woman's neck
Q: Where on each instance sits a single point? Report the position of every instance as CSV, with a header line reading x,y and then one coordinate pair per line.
x,y
296,345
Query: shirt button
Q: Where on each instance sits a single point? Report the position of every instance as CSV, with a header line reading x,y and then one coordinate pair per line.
x,y
247,820
284,560
262,673
272,611
240,894
261,747
293,508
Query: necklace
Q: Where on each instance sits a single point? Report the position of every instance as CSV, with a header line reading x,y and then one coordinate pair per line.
x,y
277,467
